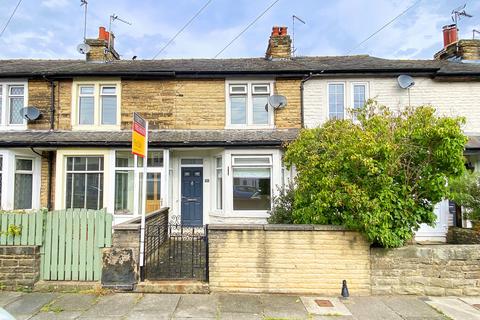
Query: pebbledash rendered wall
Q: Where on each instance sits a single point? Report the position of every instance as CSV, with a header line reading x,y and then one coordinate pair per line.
x,y
461,98
301,259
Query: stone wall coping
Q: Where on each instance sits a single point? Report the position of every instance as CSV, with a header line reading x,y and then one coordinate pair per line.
x,y
135,223
276,227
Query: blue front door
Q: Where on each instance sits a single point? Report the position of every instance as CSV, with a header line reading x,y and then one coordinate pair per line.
x,y
192,196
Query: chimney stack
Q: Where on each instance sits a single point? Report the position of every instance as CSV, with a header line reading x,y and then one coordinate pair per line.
x,y
457,50
102,49
279,45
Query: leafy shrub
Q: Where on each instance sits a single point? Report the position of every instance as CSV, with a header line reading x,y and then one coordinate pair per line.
x,y
465,191
282,207
380,175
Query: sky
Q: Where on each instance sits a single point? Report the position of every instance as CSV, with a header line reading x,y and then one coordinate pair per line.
x,y
52,29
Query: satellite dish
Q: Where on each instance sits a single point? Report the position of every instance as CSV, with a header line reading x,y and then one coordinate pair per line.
x,y
405,81
277,101
83,48
30,113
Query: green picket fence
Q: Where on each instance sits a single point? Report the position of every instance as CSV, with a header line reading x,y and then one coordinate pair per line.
x,y
71,240
73,243
31,229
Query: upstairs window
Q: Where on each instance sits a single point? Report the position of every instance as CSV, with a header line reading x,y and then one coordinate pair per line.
x,y
336,100
97,104
12,101
247,104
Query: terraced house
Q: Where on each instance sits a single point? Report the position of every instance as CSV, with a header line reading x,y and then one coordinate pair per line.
x,y
216,141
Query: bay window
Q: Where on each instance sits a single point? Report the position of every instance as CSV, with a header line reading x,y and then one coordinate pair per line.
x,y
12,101
84,182
1,179
23,184
247,104
252,182
128,182
219,183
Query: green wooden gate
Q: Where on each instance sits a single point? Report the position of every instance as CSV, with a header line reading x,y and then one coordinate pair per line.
x,y
73,242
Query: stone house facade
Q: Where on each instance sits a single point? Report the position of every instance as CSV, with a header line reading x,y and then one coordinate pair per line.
x,y
216,141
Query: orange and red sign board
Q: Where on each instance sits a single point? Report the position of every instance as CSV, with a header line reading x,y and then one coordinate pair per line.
x,y
139,144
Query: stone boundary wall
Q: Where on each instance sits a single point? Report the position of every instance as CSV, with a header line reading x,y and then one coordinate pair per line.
x,y
457,235
435,270
300,259
19,266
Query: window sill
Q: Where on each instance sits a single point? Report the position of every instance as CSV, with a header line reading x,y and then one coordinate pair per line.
x,y
91,127
13,127
249,127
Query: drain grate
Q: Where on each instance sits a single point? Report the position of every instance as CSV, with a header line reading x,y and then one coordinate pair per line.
x,y
324,303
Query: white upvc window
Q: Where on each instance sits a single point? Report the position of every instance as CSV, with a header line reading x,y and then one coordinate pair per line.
x,y
96,105
129,179
219,183
19,180
13,98
247,104
252,182
359,96
336,100
84,182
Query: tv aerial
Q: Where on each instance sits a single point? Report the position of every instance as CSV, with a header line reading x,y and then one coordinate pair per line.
x,y
406,82
276,101
458,13
84,48
113,18
294,17
30,113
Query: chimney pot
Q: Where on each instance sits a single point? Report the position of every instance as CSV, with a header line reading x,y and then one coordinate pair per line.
x,y
283,31
102,34
275,31
450,34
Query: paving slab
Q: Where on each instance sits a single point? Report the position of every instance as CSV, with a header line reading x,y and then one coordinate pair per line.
x,y
280,306
29,304
411,308
7,297
197,306
240,316
239,303
147,315
75,302
370,308
64,315
336,307
114,305
473,301
454,308
163,303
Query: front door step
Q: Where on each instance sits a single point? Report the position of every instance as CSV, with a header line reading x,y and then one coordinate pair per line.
x,y
172,286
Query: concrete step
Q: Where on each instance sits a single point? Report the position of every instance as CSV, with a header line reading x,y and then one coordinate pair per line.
x,y
172,286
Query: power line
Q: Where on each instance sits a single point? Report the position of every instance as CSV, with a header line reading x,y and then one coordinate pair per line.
x,y
384,26
247,27
183,28
10,19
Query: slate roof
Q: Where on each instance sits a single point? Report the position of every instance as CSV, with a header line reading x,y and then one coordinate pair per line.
x,y
197,67
157,138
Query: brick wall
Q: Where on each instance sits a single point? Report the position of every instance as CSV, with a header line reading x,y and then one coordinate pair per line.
x,y
450,98
63,105
39,96
435,270
19,266
288,117
287,259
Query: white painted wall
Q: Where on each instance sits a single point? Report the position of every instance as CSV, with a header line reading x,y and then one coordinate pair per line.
x,y
449,98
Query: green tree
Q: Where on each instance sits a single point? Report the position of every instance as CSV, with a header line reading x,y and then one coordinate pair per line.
x,y
381,174
465,191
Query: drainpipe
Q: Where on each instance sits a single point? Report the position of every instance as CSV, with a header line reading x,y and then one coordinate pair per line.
x,y
52,105
302,85
50,178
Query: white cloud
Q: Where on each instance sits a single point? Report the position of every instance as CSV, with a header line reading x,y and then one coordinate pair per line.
x,y
52,4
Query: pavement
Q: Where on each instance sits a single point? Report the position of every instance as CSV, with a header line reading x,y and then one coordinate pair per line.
x,y
62,306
